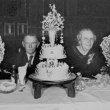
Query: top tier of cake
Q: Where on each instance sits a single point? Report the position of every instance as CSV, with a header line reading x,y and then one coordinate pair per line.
x,y
52,52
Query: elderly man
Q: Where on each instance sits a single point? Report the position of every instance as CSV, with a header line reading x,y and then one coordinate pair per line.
x,y
28,57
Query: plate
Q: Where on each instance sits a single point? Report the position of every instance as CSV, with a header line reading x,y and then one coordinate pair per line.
x,y
33,76
7,86
5,80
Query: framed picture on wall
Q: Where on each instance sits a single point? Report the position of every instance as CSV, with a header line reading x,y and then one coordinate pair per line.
x,y
9,29
22,28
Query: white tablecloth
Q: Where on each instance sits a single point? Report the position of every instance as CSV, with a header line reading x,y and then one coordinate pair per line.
x,y
55,98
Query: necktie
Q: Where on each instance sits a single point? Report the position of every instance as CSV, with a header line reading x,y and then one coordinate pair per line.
x,y
30,59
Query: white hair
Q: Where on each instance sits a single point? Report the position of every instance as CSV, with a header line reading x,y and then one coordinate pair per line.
x,y
79,35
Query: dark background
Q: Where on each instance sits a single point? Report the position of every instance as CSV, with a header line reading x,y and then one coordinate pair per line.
x,y
94,14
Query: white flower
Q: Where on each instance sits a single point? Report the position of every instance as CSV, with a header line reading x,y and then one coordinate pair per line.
x,y
2,49
53,20
78,73
90,58
105,45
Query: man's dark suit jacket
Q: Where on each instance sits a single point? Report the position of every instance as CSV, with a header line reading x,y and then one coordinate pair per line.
x,y
21,59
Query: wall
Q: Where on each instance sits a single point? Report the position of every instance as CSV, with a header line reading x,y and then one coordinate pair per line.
x,y
92,14
78,14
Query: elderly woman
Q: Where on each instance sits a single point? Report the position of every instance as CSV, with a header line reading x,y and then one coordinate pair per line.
x,y
84,57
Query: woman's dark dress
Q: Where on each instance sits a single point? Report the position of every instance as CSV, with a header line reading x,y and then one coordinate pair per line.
x,y
89,64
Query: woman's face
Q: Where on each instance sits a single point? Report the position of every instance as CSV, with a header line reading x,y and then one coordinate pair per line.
x,y
87,40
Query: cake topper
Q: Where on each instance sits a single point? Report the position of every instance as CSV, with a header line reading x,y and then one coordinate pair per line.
x,y
53,22
105,45
2,49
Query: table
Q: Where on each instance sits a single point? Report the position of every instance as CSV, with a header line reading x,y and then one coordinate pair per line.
x,y
38,84
55,98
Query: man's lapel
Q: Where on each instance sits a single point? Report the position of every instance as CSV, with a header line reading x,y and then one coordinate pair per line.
x,y
24,57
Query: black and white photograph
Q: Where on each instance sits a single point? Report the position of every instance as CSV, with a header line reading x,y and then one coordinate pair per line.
x,y
54,54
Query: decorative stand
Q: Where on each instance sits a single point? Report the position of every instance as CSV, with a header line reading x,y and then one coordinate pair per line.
x,y
38,84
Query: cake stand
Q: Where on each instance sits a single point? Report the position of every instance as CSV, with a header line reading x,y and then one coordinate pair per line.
x,y
38,84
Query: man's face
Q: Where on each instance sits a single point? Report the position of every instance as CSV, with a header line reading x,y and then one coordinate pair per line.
x,y
87,40
30,44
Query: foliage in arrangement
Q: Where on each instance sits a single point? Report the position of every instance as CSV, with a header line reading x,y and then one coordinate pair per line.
x,y
105,45
53,20
2,50
103,80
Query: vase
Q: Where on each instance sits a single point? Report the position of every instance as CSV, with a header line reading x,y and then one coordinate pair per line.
x,y
52,34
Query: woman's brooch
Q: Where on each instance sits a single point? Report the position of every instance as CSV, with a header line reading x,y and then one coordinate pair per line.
x,y
90,58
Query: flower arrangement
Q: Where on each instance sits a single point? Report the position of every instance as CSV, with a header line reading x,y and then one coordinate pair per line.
x,y
101,82
2,49
53,20
105,45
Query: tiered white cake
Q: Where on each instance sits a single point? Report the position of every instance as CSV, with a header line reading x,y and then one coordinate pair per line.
x,y
52,69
